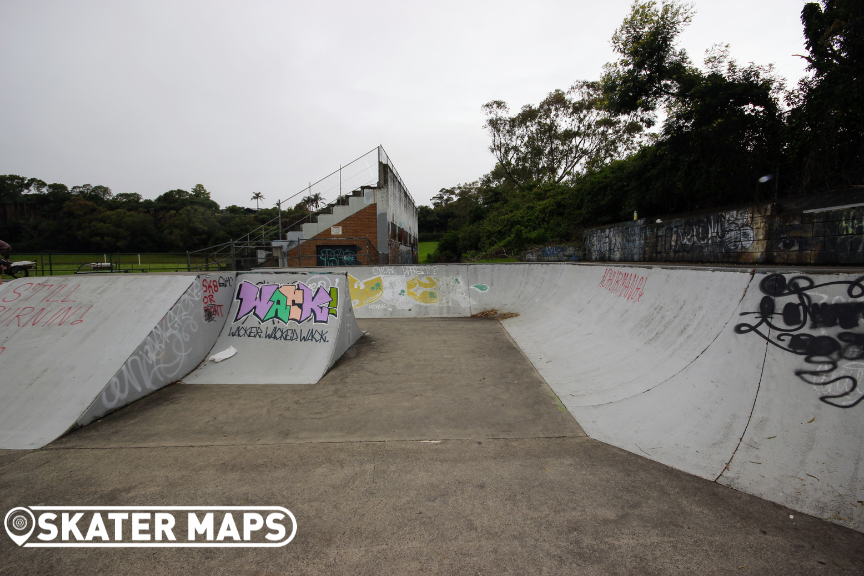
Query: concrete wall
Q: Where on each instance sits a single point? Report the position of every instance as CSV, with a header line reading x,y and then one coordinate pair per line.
x,y
285,328
765,233
553,254
176,345
73,348
747,378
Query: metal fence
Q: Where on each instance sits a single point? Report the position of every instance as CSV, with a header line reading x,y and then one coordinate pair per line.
x,y
58,264
320,252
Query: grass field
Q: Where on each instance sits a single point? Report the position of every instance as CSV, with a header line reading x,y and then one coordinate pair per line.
x,y
62,264
426,248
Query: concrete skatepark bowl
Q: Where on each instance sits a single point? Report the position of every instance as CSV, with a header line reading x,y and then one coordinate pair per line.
x,y
640,393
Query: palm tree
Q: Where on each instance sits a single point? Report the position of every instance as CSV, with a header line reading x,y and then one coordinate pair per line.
x,y
257,197
312,201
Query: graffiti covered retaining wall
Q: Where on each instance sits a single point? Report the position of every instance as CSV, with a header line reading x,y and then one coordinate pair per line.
x,y
766,234
553,254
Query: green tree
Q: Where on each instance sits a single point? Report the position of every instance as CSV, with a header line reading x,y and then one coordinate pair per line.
x,y
827,120
118,230
565,133
313,201
191,228
198,191
176,200
723,129
12,187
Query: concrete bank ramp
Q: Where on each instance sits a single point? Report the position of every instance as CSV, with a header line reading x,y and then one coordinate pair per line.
x,y
73,348
285,328
748,378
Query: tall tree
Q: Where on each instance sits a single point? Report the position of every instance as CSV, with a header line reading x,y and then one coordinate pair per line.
x,y
723,128
198,191
566,132
313,201
827,120
257,197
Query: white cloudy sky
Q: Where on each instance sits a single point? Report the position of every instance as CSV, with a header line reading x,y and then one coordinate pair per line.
x,y
266,96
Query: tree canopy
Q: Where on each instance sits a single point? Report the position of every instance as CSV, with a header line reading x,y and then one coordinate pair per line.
x,y
89,218
723,133
566,132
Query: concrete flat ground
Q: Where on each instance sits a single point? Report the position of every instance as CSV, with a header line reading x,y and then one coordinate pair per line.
x,y
509,483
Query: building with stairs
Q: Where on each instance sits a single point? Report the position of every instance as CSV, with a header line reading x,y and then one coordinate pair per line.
x,y
373,225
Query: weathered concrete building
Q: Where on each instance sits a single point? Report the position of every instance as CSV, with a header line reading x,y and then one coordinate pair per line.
x,y
373,225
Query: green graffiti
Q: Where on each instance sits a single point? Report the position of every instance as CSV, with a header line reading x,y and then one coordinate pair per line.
x,y
334,294
376,286
401,292
281,307
480,287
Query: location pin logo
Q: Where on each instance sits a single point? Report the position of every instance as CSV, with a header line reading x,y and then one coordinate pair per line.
x,y
20,524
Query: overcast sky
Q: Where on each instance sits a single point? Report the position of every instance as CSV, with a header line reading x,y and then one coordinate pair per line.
x,y
267,96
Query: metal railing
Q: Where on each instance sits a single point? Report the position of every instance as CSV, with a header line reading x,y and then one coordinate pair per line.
x,y
245,256
355,175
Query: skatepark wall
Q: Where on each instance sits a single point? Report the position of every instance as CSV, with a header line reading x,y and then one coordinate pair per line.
x,y
180,341
284,328
748,378
75,348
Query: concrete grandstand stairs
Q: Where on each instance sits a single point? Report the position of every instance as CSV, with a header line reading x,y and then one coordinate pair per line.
x,y
337,212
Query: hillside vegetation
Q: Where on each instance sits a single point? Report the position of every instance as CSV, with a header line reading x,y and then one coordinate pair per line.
x,y
87,218
657,134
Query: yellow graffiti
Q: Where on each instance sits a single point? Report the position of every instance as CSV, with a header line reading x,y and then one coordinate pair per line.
x,y
424,292
365,292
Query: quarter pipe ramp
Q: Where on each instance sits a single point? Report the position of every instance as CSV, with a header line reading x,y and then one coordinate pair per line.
x,y
285,328
74,348
749,378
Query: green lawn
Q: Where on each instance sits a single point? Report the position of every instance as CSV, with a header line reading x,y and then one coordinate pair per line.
x,y
426,248
62,264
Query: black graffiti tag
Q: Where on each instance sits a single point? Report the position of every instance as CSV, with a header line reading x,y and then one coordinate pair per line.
x,y
799,313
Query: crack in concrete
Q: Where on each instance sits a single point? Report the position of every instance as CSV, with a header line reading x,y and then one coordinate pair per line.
x,y
719,333
752,408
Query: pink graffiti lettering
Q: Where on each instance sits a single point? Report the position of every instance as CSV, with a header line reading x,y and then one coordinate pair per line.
x,y
627,285
70,294
81,318
286,302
